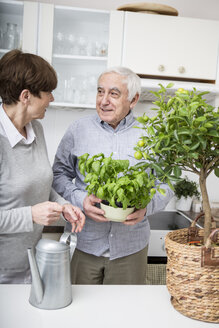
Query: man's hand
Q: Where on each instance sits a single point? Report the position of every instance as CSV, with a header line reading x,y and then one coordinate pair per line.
x,y
46,213
92,211
135,217
75,216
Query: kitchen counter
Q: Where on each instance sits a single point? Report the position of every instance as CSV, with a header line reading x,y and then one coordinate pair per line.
x,y
96,307
59,228
192,215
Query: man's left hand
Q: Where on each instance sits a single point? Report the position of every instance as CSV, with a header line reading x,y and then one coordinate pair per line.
x,y
135,217
75,216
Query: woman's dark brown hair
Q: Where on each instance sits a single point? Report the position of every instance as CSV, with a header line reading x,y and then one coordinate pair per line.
x,y
19,71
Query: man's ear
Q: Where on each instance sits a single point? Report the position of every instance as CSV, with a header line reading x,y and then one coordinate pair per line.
x,y
134,101
25,96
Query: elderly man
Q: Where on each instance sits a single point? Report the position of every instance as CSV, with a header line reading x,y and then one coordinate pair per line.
x,y
107,252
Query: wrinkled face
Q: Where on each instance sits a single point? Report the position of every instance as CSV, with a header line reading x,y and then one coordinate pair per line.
x,y
112,99
37,106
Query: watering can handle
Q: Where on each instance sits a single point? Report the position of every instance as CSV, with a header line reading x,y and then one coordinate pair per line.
x,y
69,238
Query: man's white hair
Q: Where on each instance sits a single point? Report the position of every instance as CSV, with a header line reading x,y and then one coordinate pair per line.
x,y
131,79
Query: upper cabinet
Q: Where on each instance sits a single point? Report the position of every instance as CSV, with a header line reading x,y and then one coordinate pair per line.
x,y
76,43
18,26
73,40
165,46
82,43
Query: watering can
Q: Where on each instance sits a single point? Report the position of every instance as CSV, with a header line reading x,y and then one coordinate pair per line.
x,y
50,270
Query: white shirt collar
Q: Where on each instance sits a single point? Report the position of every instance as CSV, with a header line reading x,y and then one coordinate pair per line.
x,y
9,130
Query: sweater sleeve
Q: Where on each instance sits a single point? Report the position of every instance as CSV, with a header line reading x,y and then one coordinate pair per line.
x,y
55,197
16,220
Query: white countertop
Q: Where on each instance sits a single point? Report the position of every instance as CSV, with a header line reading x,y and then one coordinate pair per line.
x,y
96,307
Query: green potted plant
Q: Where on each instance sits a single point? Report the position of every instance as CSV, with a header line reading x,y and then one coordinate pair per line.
x,y
184,136
185,190
121,187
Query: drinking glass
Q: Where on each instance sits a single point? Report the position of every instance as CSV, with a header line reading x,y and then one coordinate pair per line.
x,y
9,36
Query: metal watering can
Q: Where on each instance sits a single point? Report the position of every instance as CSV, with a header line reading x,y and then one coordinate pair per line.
x,y
50,270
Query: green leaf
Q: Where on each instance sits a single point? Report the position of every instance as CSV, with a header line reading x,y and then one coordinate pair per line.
x,y
152,192
82,168
170,184
208,125
170,85
213,133
194,155
151,130
96,166
176,135
140,180
102,171
162,191
183,111
84,157
100,193
216,171
157,168
177,171
120,193
88,164
200,119
88,177
184,131
140,120
195,145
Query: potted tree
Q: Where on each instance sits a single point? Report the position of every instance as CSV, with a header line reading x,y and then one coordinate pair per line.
x,y
121,187
185,190
184,135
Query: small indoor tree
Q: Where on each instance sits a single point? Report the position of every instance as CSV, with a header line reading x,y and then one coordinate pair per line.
x,y
183,136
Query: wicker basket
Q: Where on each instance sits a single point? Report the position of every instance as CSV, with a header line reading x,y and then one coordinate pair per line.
x,y
193,275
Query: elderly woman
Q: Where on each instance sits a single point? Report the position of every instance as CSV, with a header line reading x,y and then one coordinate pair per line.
x,y
27,200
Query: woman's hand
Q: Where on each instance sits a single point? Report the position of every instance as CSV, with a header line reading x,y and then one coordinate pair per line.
x,y
46,213
92,211
135,217
75,216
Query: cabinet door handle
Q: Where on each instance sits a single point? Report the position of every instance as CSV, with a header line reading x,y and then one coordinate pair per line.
x,y
181,69
161,68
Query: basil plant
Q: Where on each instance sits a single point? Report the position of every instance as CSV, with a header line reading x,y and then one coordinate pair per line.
x,y
116,182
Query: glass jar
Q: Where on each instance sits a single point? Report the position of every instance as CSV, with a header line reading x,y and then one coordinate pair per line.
x,y
10,38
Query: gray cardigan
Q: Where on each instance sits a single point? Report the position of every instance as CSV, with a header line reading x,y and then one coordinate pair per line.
x,y
25,180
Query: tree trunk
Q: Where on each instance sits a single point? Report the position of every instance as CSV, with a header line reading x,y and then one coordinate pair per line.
x,y
206,205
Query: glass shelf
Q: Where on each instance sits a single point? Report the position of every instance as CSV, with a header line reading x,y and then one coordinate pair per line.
x,y
77,57
80,46
4,50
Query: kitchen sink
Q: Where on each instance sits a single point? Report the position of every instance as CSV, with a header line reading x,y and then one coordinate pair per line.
x,y
161,223
168,220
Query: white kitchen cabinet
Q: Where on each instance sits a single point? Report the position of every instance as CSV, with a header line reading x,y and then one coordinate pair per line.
x,y
75,41
165,46
18,26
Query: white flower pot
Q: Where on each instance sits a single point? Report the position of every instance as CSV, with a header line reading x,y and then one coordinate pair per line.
x,y
184,204
171,206
116,214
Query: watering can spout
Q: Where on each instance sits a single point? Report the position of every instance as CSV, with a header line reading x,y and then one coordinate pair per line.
x,y
36,279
